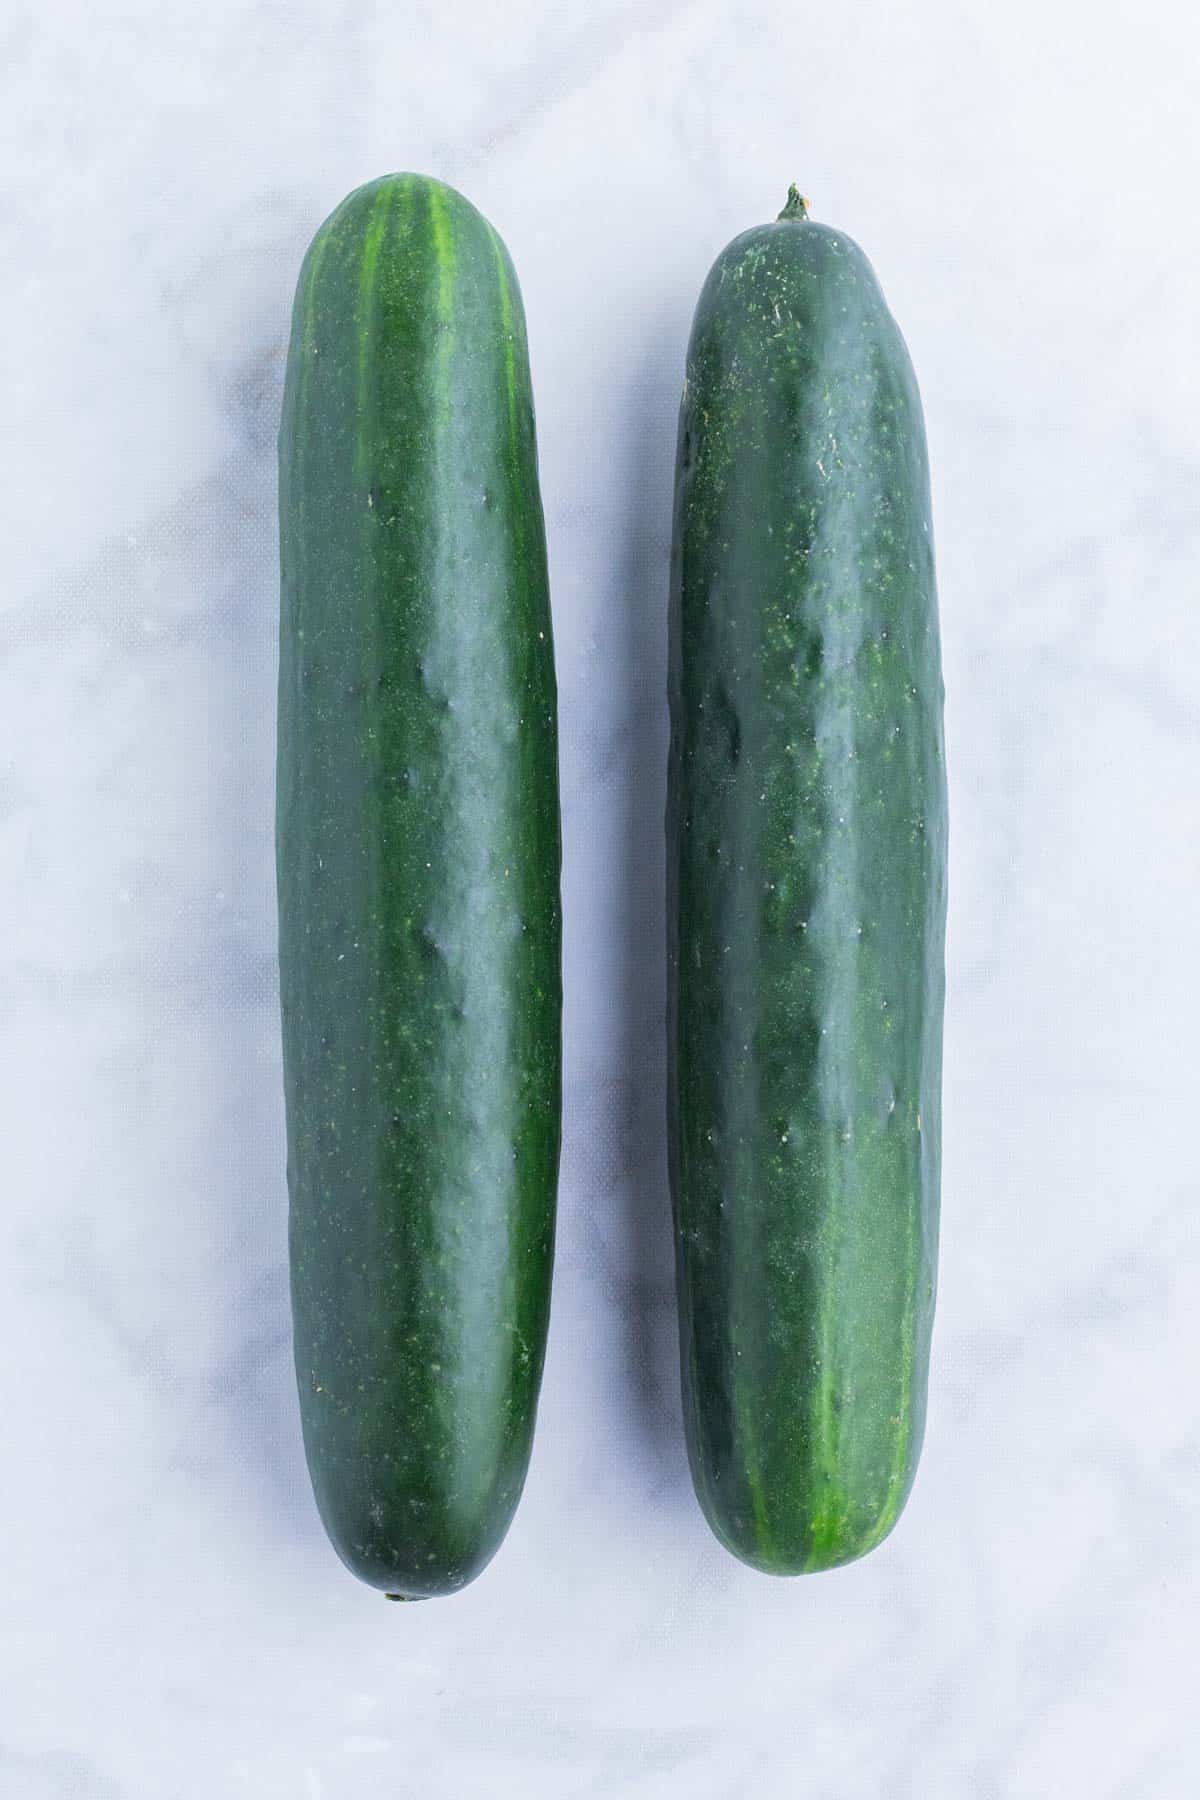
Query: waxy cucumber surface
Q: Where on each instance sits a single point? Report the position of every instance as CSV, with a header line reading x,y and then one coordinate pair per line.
x,y
418,881
807,829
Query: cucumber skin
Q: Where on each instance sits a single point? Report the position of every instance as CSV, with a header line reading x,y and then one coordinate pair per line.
x,y
418,853
807,836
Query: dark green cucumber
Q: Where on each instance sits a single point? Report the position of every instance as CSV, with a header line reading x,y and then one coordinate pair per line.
x,y
418,881
806,826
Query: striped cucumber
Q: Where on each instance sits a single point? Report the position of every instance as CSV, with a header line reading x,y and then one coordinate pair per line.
x,y
418,883
807,855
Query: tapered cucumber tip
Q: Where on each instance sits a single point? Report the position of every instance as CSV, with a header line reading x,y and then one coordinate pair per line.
x,y
796,206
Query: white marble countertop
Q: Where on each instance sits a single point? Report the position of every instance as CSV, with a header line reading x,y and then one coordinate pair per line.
x,y
174,1625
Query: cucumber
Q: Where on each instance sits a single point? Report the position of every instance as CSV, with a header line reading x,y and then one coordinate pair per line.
x,y
807,824
418,853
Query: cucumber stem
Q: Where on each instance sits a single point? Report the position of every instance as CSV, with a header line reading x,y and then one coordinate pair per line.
x,y
796,206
